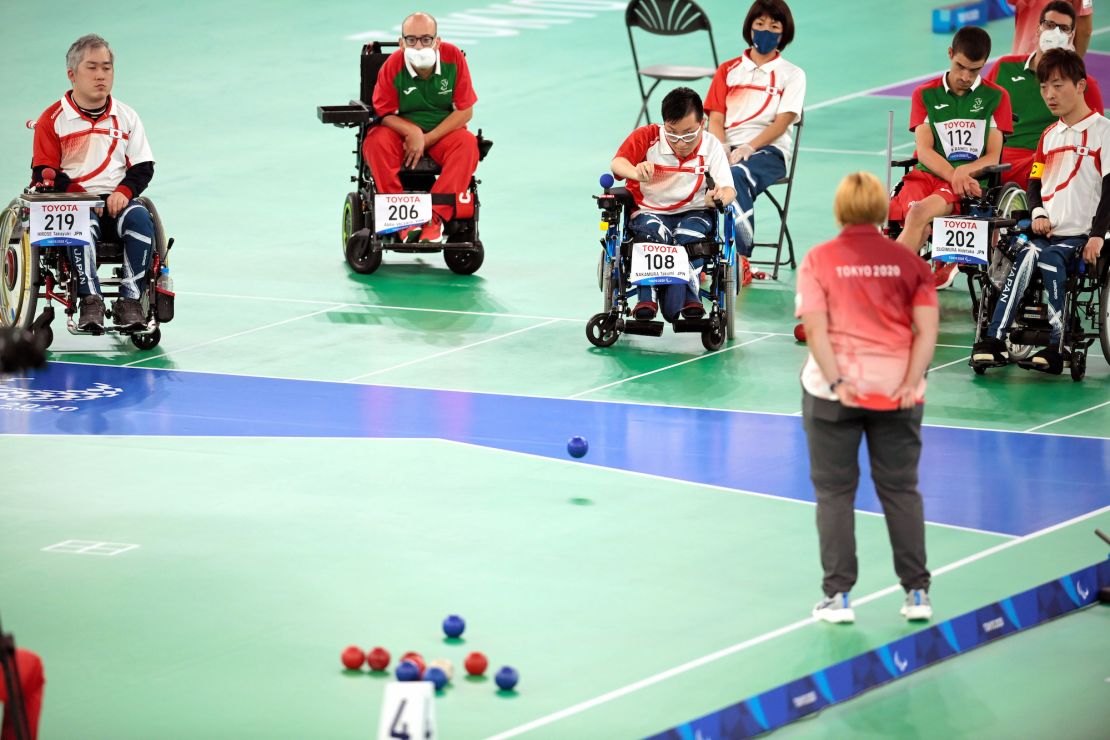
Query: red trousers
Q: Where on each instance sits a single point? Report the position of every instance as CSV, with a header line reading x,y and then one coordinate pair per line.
x,y
456,153
31,680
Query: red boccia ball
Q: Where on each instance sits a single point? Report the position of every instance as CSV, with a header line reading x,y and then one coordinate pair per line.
x,y
476,664
378,659
353,658
800,332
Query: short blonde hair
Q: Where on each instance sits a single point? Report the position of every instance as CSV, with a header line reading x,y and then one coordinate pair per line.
x,y
860,199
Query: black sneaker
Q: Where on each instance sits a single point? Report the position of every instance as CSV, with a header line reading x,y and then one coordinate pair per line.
x,y
127,314
989,351
91,316
1048,360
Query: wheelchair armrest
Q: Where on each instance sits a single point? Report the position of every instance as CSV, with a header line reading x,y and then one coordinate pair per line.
x,y
993,169
623,196
353,114
484,145
911,162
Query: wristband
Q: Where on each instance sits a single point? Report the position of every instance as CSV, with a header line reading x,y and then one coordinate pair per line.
x,y
834,384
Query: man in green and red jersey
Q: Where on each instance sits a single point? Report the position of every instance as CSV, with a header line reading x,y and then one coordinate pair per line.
x,y
958,120
1017,75
425,99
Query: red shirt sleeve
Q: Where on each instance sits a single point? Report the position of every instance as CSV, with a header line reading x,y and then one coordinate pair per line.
x,y
635,147
810,294
1004,114
717,97
918,114
992,74
1093,95
386,100
47,146
465,97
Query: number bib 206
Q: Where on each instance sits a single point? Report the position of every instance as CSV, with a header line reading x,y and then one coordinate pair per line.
x,y
396,212
60,224
962,138
960,240
659,264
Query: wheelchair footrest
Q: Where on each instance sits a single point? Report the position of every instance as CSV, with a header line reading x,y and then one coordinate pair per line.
x,y
692,325
645,328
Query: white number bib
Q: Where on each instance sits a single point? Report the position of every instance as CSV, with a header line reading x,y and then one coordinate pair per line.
x,y
659,264
960,240
962,138
60,224
396,212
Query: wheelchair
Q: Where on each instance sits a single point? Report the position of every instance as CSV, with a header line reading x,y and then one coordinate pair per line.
x,y
614,267
363,244
32,273
1086,300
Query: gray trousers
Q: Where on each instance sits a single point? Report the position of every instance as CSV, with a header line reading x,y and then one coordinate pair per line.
x,y
894,447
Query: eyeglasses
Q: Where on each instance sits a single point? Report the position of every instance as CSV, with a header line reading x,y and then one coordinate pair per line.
x,y
422,40
1053,25
684,138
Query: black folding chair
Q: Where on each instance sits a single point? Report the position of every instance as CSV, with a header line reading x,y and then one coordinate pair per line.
x,y
783,209
666,18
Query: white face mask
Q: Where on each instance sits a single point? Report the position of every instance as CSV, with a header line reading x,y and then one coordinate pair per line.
x,y
420,58
1054,39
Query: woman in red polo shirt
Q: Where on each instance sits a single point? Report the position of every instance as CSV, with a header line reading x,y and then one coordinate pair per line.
x,y
870,312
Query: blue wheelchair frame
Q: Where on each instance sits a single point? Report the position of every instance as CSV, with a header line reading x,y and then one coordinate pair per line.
x,y
603,329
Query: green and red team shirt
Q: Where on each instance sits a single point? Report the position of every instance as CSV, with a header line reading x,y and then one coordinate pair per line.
x,y
960,123
424,102
1015,74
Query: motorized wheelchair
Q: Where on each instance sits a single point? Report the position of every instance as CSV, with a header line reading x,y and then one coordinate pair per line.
x,y
33,272
614,267
362,243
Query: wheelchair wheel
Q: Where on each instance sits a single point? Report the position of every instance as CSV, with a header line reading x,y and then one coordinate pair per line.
x,y
353,220
1104,316
18,271
601,330
465,261
979,370
147,340
160,245
730,301
362,257
1078,365
713,339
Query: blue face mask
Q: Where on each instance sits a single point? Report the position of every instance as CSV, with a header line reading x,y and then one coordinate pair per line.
x,y
765,42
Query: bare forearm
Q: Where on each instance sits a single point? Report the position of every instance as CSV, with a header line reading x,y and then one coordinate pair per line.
x,y
456,120
717,126
924,344
774,131
402,126
624,169
937,164
1083,27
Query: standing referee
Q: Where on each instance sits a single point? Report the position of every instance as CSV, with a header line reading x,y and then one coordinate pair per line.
x,y
870,312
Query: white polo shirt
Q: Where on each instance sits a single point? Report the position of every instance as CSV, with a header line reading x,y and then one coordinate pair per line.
x,y
1071,162
750,97
679,185
95,155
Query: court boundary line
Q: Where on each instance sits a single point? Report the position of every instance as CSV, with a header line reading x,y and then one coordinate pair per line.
x,y
551,398
1069,416
767,636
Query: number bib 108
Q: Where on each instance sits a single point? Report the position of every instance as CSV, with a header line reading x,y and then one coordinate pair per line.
x,y
659,264
60,224
396,212
960,240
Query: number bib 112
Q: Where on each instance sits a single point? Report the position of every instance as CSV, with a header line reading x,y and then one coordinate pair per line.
x,y
962,138
659,264
60,224
396,212
960,240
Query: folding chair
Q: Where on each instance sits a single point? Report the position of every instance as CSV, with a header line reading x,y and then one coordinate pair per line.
x,y
783,209
666,18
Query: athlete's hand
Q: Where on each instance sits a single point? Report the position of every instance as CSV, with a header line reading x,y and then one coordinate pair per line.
x,y
713,197
905,395
645,171
1091,251
1042,226
740,153
116,202
963,184
847,393
414,147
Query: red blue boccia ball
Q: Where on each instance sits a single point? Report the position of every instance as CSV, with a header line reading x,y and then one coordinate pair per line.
x,y
407,671
577,447
436,676
454,625
507,678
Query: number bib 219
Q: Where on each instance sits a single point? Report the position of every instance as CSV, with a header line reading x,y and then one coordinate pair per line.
x,y
60,224
960,240
396,212
659,264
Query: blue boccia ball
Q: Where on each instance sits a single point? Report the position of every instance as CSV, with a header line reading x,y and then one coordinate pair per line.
x,y
577,446
436,676
407,671
454,625
507,678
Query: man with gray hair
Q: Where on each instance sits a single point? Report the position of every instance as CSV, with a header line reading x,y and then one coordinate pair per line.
x,y
96,144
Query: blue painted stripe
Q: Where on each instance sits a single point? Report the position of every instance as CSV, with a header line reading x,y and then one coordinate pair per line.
x,y
1011,613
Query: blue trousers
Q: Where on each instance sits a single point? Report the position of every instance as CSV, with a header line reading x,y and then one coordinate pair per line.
x,y
1051,256
672,228
135,228
761,170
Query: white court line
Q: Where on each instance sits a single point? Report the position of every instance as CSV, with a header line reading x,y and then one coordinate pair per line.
x,y
852,152
1065,418
177,352
668,367
766,637
449,351
955,346
940,367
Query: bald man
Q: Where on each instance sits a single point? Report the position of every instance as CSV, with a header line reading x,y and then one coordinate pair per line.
x,y
425,99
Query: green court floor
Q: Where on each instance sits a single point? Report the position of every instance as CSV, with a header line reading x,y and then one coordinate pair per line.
x,y
616,595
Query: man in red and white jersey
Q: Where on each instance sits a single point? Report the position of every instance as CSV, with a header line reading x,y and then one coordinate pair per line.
x,y
668,168
96,144
1069,190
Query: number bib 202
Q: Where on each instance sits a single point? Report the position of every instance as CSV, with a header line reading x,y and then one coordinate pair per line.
x,y
960,240
396,212
659,264
60,224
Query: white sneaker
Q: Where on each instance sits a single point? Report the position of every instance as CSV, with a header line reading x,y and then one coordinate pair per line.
x,y
917,607
836,609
